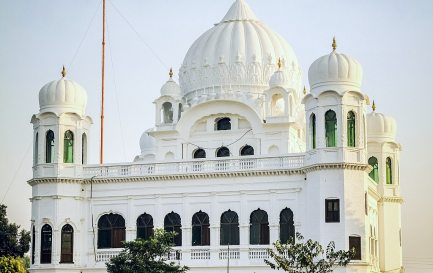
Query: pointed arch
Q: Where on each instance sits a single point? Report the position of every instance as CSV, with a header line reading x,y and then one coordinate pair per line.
x,y
223,152
46,244
111,231
374,174
172,222
68,147
287,227
200,229
229,231
67,244
259,228
313,131
49,147
167,112
331,128
247,150
199,153
144,226
389,171
351,129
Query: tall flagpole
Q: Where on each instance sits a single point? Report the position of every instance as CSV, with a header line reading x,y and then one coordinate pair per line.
x,y
101,158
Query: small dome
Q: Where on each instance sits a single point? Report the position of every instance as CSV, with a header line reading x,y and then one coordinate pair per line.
x,y
147,144
171,88
381,126
62,96
335,69
278,79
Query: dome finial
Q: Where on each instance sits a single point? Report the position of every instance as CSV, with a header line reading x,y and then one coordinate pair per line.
x,y
373,106
334,44
280,64
305,90
63,72
171,73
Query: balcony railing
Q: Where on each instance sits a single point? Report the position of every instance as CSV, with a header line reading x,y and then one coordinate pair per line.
x,y
104,255
195,166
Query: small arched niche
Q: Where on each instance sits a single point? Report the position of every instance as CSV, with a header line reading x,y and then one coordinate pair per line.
x,y
277,105
167,112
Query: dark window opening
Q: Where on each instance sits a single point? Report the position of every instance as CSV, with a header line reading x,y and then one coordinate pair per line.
x,y
67,244
49,147
199,153
351,128
259,228
46,244
200,229
172,222
313,131
332,214
111,231
33,244
331,128
388,171
144,226
374,174
355,244
223,152
247,150
222,124
229,232
287,227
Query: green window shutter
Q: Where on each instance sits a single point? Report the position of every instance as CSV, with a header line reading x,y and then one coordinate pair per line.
x,y
374,174
331,129
313,131
351,129
68,155
388,171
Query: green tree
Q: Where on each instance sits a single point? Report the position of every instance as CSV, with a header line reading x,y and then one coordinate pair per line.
x,y
13,242
146,256
307,257
12,265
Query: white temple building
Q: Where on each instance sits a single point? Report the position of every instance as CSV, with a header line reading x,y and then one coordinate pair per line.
x,y
241,154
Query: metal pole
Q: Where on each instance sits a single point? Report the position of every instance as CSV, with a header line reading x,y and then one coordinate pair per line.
x,y
228,257
101,159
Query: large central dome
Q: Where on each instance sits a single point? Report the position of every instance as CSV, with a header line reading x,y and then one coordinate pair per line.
x,y
240,53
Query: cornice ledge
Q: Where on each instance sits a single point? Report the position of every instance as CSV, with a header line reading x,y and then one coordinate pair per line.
x,y
346,166
54,180
194,176
391,199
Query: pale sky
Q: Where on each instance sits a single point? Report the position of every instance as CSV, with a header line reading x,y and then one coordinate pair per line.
x,y
392,39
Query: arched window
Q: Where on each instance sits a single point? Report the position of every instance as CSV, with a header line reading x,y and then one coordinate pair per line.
x,y
144,226
223,152
388,170
222,124
287,228
46,244
36,150
167,112
374,174
277,105
33,244
313,131
67,244
331,128
247,150
172,222
200,229
199,153
351,128
180,111
68,147
111,231
49,147
229,231
259,228
84,148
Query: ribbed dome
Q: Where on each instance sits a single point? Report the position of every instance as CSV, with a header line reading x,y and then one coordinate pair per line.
x,y
238,53
335,69
278,79
171,88
380,126
147,144
62,96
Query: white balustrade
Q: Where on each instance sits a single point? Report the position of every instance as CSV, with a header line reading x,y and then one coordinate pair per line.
x,y
200,254
195,166
233,254
104,255
258,253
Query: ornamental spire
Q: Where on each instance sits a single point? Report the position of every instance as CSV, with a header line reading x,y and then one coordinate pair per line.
x,y
305,90
334,44
373,106
280,64
171,73
63,72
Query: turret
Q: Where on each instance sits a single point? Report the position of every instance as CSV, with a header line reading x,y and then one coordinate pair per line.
x,y
168,105
61,129
335,110
384,159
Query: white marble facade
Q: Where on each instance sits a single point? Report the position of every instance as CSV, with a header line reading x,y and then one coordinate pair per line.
x,y
239,133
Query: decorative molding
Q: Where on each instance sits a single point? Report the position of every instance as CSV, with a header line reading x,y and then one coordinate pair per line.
x,y
391,199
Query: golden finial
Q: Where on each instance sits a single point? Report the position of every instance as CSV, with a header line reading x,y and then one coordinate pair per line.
x,y
334,44
63,72
373,106
305,90
280,64
171,72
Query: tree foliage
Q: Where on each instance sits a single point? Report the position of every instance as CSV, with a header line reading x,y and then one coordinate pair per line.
x,y
10,264
307,257
13,242
146,256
